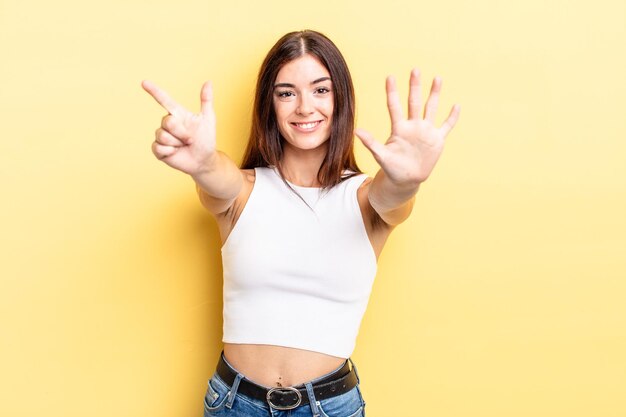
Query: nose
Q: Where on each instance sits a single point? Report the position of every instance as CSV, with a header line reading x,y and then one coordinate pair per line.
x,y
305,105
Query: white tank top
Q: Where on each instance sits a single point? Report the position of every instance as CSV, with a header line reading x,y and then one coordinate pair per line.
x,y
298,277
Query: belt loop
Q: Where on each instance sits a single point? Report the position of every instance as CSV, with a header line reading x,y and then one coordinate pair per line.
x,y
312,401
233,390
358,381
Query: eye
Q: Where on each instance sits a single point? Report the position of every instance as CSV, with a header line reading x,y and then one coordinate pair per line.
x,y
285,94
322,90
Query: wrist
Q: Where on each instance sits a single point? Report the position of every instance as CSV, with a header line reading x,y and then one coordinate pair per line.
x,y
386,194
205,167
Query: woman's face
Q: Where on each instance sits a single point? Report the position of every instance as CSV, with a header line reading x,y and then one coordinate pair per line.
x,y
303,103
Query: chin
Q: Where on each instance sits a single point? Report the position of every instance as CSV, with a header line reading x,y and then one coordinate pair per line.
x,y
307,143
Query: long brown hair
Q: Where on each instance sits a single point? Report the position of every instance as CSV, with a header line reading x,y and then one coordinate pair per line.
x,y
265,144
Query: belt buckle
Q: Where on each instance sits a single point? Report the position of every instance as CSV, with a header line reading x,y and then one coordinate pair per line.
x,y
283,407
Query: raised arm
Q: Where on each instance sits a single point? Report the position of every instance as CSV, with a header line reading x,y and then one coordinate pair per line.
x,y
411,152
186,141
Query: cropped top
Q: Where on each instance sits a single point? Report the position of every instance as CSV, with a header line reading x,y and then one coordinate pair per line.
x,y
296,276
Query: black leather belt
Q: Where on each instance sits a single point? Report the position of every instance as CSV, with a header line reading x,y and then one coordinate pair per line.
x,y
287,398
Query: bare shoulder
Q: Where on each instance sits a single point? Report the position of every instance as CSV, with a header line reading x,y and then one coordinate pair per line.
x,y
227,220
249,174
377,230
369,214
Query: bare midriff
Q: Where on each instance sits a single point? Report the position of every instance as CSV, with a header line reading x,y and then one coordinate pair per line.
x,y
275,366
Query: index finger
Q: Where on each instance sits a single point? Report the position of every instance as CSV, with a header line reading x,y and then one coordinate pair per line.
x,y
162,98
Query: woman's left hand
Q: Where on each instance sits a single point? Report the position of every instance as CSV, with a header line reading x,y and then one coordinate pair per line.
x,y
415,144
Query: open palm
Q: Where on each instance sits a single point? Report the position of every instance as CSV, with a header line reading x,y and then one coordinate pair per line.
x,y
415,144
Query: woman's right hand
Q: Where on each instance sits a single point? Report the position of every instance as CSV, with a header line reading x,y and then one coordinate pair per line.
x,y
185,141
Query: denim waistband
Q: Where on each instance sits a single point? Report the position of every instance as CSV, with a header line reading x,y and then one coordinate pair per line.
x,y
263,404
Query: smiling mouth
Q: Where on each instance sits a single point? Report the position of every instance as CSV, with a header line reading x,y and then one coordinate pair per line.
x,y
308,125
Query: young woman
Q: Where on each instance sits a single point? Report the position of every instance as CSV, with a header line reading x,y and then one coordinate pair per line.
x,y
301,226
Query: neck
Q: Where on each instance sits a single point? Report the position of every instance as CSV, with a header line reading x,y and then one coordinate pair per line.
x,y
300,166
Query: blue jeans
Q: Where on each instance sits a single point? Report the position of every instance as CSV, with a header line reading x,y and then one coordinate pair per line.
x,y
224,401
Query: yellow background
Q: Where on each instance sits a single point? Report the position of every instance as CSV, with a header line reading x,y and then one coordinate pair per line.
x,y
503,295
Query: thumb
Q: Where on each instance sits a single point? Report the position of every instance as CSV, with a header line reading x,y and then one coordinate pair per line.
x,y
206,98
370,143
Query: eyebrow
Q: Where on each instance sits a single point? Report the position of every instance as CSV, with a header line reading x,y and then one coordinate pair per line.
x,y
319,80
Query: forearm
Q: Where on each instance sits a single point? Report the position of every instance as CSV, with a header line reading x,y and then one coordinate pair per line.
x,y
392,201
220,179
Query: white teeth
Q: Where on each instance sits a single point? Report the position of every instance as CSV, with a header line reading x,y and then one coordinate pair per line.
x,y
307,125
